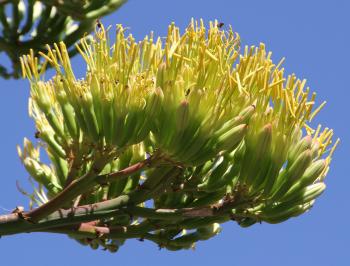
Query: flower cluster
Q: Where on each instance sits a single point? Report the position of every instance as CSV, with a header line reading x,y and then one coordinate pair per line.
x,y
219,129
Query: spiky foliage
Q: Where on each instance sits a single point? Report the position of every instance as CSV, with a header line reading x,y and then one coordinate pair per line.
x,y
164,136
32,24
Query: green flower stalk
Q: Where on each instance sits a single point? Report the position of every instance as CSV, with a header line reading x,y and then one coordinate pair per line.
x,y
33,24
165,139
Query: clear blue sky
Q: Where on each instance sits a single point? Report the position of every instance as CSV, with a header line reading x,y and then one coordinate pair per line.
x,y
314,37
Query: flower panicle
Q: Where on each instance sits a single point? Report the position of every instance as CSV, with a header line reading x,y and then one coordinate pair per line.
x,y
227,116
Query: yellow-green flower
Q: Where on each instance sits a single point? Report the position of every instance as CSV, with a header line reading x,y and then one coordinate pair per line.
x,y
236,126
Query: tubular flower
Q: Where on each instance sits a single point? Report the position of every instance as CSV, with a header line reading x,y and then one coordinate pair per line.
x,y
220,130
31,24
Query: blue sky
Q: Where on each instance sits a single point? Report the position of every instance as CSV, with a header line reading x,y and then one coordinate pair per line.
x,y
313,36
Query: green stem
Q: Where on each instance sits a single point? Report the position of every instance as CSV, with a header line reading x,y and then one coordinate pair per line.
x,y
190,217
40,217
51,218
141,230
73,190
105,9
113,232
83,184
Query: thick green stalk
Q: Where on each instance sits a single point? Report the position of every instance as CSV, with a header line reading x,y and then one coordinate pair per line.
x,y
191,217
15,223
40,217
73,190
141,230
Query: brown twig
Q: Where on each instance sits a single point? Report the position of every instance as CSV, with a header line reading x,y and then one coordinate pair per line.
x,y
132,169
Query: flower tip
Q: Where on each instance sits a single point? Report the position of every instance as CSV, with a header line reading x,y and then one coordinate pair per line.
x,y
308,139
159,92
184,103
268,127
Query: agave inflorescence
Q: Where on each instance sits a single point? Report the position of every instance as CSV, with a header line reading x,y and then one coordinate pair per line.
x,y
32,24
172,135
